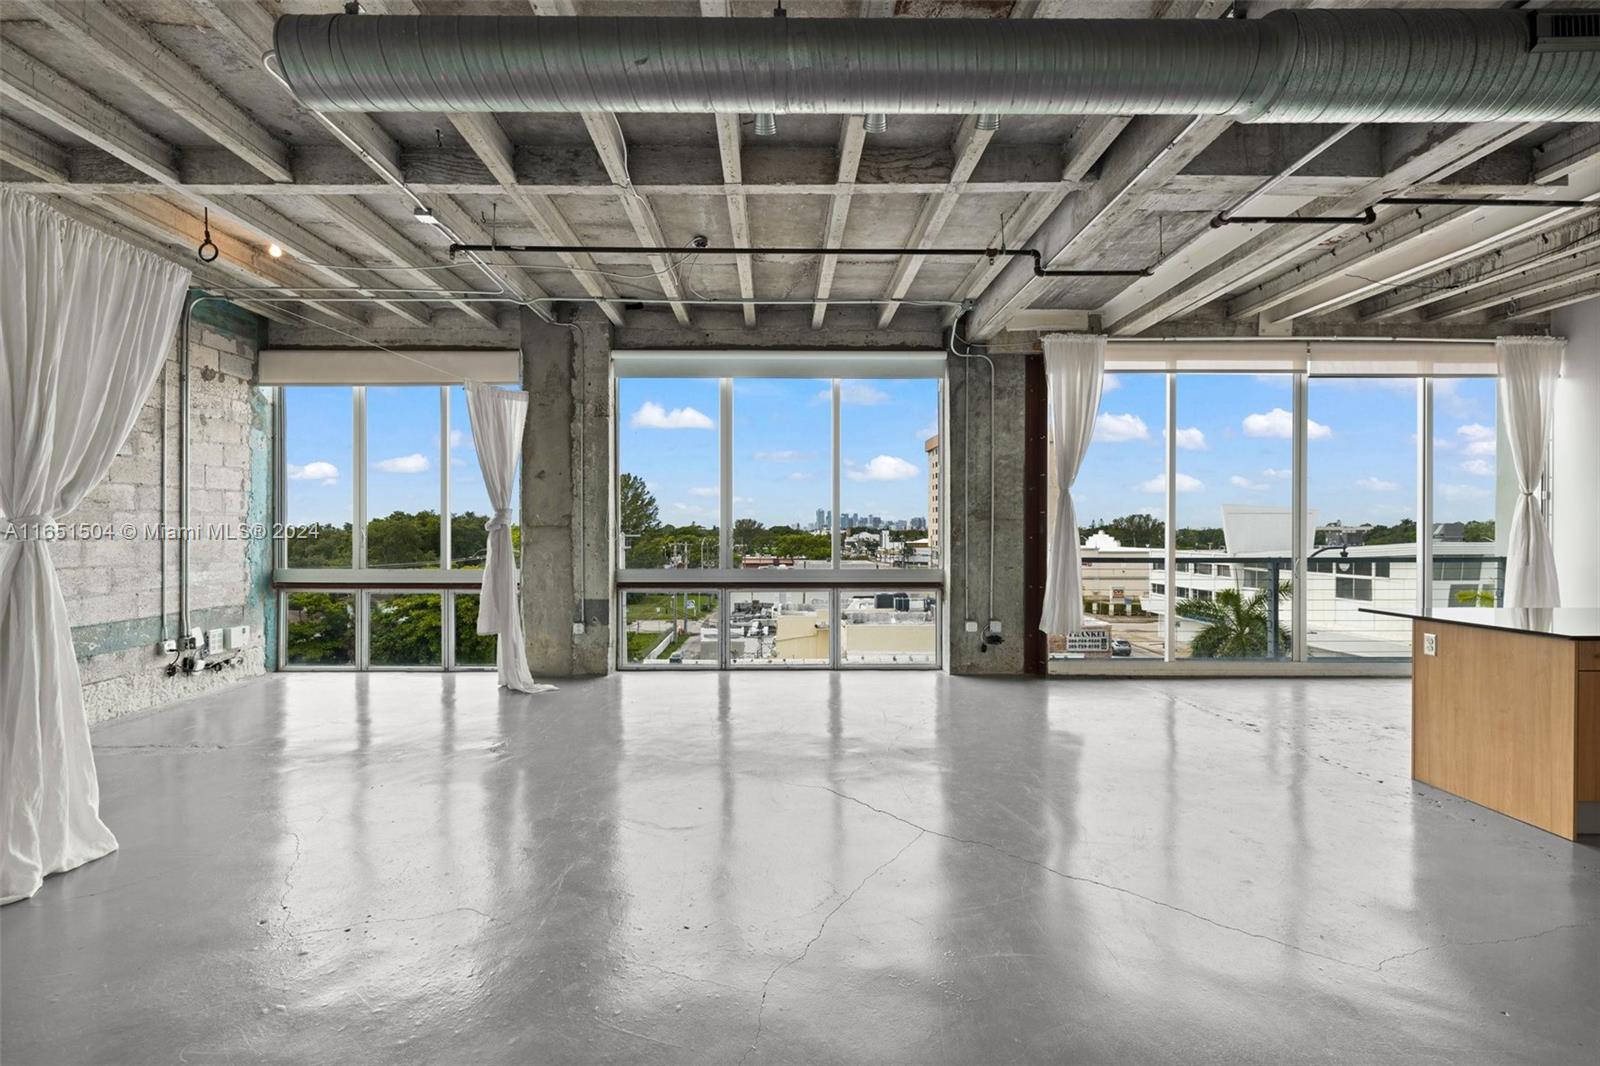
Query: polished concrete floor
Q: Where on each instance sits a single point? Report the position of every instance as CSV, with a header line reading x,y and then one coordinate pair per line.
x,y
798,868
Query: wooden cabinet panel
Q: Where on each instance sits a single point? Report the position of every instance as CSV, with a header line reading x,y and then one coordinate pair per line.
x,y
1589,655
1589,736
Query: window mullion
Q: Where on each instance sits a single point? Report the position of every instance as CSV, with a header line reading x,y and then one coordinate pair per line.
x,y
725,489
444,478
358,479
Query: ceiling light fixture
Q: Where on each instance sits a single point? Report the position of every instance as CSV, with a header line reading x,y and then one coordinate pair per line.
x,y
988,122
274,250
766,124
876,123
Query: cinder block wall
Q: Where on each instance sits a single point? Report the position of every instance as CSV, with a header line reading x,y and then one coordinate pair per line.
x,y
114,585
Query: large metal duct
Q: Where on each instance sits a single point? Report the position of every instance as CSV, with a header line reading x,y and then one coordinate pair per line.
x,y
1423,65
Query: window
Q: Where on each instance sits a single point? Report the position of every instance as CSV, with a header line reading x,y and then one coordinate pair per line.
x,y
670,628
889,628
368,472
782,472
888,488
669,487
1468,497
780,626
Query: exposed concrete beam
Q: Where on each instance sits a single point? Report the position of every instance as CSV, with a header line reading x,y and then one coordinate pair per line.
x,y
125,47
1566,152
1577,292
25,149
365,225
1579,263
312,252
26,81
1149,152
969,145
728,144
1548,244
606,132
1413,154
852,137
1413,243
489,141
159,218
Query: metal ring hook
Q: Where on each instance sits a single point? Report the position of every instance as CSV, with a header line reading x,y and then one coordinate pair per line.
x,y
200,252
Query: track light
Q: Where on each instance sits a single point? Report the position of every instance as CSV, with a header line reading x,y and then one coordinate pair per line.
x,y
766,124
876,123
275,251
988,122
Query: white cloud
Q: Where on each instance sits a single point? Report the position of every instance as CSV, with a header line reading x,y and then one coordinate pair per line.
x,y
1479,467
1377,484
1476,431
326,473
858,393
1481,447
1276,474
1185,484
1110,383
799,475
1239,482
883,468
705,490
1463,492
652,415
415,463
1115,429
1191,439
1280,423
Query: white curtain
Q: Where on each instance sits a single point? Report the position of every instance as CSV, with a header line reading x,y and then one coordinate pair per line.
x,y
85,323
497,416
1074,366
1529,367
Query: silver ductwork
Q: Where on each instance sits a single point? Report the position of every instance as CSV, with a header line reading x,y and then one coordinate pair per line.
x,y
1423,65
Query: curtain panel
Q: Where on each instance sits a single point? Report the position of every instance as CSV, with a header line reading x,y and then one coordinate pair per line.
x,y
85,324
497,417
1074,366
1529,367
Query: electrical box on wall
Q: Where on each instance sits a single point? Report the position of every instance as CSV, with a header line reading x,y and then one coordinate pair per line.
x,y
235,638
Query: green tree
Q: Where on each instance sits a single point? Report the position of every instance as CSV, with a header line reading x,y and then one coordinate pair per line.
x,y
404,540
1478,532
1131,531
1402,532
472,647
637,506
321,628
406,629
1236,624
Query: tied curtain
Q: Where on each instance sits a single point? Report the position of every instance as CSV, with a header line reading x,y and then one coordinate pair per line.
x,y
85,324
1529,367
1074,366
497,417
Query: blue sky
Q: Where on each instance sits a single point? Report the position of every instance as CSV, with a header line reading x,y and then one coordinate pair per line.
x,y
1234,448
403,453
667,434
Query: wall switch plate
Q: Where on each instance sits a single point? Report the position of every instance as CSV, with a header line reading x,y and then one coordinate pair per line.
x,y
577,629
994,625
972,627
1430,644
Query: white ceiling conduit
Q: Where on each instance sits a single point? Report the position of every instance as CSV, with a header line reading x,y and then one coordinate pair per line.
x,y
1418,65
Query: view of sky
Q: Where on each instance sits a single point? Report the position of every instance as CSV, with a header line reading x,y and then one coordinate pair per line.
x,y
1233,448
782,446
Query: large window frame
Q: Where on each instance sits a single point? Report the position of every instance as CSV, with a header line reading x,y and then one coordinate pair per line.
x,y
1425,365
726,579
359,580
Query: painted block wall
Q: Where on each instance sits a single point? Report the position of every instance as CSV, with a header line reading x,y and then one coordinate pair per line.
x,y
118,589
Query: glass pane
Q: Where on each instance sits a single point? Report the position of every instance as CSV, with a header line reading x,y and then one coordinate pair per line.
x,y
318,490
1468,543
779,626
883,627
670,628
405,629
889,491
1121,497
1232,586
1362,486
472,647
319,628
668,472
470,508
403,477
782,472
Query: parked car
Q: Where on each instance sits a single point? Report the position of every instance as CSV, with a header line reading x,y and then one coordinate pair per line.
x,y
1121,648
675,657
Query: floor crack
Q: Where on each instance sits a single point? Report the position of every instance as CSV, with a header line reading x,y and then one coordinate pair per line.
x,y
785,964
1479,943
412,918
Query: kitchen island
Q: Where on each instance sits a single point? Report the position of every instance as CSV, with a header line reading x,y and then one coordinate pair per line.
x,y
1505,710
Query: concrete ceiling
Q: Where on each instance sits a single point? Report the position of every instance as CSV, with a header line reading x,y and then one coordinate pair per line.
x,y
138,116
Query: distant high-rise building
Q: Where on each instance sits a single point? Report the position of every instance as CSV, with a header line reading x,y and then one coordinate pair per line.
x,y
931,446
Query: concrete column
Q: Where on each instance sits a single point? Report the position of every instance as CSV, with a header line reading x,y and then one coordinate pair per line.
x,y
1575,458
566,495
966,470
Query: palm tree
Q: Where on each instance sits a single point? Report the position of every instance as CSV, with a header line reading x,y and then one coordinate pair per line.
x,y
1235,625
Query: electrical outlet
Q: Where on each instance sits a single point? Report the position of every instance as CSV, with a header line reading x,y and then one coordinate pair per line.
x,y
1430,644
577,629
972,626
994,625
